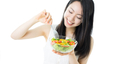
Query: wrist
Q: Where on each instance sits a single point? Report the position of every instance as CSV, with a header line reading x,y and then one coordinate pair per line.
x,y
73,59
72,53
34,19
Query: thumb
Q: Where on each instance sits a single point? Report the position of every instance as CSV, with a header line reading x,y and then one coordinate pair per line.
x,y
44,12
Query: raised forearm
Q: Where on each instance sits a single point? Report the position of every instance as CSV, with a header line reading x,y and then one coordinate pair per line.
x,y
73,59
21,30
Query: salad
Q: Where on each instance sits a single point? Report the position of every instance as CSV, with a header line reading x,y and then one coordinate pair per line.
x,y
63,45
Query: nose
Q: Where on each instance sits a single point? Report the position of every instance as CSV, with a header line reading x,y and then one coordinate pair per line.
x,y
72,18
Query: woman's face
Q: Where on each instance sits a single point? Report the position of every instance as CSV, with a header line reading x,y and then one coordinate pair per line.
x,y
73,15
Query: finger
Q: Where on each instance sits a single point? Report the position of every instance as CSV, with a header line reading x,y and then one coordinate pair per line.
x,y
47,15
50,22
54,51
49,19
69,53
44,12
60,53
64,53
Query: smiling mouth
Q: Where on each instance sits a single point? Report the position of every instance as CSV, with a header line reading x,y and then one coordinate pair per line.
x,y
68,22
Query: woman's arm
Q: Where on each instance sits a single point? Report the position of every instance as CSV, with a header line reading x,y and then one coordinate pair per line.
x,y
84,60
23,32
73,59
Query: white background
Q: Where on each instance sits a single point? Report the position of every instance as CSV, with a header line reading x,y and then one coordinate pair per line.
x,y
13,13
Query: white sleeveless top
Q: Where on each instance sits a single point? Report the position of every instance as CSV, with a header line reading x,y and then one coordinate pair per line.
x,y
52,58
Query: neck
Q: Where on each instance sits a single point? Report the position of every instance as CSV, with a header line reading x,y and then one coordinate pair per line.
x,y
70,32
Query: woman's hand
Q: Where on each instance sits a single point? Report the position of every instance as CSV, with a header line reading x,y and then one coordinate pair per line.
x,y
43,17
62,54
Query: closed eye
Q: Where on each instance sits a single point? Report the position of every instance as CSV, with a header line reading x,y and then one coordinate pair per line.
x,y
70,12
79,18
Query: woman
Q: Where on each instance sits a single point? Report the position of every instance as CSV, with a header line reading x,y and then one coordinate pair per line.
x,y
77,22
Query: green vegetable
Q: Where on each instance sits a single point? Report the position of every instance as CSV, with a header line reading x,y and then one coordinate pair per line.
x,y
67,44
57,47
62,49
53,39
63,41
57,39
73,40
69,40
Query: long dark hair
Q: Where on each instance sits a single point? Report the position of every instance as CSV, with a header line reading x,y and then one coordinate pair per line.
x,y
84,30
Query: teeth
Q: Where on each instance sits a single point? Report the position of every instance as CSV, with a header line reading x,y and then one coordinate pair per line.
x,y
69,22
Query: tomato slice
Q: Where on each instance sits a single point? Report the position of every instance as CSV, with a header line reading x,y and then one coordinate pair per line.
x,y
64,46
71,43
59,41
67,41
74,43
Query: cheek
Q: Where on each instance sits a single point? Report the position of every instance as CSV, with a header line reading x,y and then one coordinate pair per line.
x,y
66,14
77,22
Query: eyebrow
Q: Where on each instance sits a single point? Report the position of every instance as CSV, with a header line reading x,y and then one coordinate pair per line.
x,y
74,11
72,8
